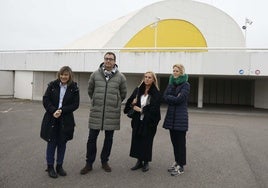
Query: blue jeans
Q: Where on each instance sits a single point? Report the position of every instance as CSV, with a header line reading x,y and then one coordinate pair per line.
x,y
51,148
92,146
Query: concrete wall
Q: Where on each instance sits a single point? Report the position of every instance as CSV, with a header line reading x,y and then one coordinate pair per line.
x,y
250,92
32,71
7,84
23,85
230,91
214,62
41,79
261,93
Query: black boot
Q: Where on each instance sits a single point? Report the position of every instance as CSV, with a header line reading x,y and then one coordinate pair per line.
x,y
138,165
60,170
145,167
51,172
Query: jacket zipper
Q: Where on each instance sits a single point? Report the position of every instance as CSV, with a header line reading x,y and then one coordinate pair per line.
x,y
174,114
104,104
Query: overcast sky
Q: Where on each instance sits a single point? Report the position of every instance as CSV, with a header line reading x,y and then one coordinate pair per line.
x,y
51,24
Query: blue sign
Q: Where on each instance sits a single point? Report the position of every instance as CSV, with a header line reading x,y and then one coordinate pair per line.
x,y
241,71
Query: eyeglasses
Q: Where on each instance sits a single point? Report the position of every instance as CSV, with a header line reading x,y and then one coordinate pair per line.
x,y
108,59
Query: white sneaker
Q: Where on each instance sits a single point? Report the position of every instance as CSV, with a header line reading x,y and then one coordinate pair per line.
x,y
178,171
172,167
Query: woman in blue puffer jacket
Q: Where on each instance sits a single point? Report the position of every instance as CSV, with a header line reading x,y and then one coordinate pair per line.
x,y
176,120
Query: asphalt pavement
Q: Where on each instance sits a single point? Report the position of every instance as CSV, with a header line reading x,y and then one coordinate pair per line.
x,y
226,147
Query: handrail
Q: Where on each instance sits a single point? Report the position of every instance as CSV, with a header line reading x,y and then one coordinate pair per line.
x,y
148,50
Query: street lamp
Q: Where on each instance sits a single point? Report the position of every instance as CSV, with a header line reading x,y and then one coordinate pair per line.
x,y
244,27
154,25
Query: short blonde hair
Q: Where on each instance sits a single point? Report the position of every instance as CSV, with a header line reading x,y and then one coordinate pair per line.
x,y
180,67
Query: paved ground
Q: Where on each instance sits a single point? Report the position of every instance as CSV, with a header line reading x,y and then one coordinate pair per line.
x,y
225,148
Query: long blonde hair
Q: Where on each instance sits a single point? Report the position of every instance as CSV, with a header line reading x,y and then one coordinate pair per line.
x,y
154,77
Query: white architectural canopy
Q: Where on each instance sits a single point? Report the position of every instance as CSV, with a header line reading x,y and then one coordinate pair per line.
x,y
218,28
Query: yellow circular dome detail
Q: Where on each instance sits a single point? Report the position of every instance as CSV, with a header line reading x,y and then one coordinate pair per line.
x,y
168,33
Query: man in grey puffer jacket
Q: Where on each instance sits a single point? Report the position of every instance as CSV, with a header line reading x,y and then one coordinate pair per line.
x,y
107,89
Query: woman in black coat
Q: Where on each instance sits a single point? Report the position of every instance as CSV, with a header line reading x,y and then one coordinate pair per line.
x,y
176,120
60,100
145,100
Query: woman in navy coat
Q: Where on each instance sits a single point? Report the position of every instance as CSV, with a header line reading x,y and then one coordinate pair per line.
x,y
60,100
176,120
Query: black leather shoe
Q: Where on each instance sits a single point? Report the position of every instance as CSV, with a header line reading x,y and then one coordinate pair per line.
x,y
60,170
137,166
145,167
51,172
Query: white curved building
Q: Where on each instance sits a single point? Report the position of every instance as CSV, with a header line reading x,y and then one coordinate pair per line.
x,y
217,28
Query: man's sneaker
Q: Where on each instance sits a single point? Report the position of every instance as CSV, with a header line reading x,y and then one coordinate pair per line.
x,y
172,167
178,171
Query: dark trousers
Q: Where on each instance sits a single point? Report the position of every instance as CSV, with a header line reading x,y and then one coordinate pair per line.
x,y
92,146
51,148
178,139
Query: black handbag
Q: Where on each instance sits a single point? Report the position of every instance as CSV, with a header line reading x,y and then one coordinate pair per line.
x,y
130,113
